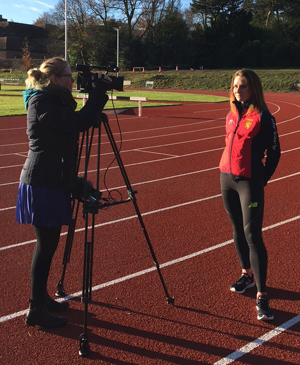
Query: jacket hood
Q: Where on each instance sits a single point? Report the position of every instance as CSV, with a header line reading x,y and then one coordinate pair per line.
x,y
29,93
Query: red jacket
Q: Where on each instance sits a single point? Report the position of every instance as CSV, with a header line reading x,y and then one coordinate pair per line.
x,y
247,139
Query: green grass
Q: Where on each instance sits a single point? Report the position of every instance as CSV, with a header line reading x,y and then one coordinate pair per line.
x,y
11,100
272,80
172,96
10,106
281,80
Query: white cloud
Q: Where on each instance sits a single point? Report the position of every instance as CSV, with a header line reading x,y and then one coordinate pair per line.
x,y
43,4
34,9
18,6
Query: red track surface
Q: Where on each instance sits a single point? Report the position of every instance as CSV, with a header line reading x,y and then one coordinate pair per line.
x,y
171,156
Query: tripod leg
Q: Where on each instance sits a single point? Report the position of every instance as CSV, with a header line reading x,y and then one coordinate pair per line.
x,y
170,300
70,236
84,347
131,193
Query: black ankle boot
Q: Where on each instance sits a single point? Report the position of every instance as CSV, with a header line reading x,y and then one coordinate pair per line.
x,y
54,306
38,315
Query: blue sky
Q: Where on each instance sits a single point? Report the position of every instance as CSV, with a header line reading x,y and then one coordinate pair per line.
x,y
28,11
25,11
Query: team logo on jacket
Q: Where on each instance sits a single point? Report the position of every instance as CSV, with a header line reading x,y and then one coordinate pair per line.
x,y
248,123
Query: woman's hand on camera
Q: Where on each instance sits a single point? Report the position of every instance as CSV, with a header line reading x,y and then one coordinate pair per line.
x,y
101,81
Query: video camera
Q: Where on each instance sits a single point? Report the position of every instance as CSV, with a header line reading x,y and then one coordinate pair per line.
x,y
86,77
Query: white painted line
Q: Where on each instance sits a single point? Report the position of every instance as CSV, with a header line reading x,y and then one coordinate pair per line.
x,y
146,271
258,342
11,166
8,208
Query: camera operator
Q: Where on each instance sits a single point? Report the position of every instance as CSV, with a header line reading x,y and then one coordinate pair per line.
x,y
48,175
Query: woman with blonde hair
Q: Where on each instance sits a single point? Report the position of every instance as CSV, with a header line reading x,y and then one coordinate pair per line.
x,y
250,157
48,175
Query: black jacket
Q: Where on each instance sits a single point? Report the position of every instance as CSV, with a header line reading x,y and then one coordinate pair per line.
x,y
53,132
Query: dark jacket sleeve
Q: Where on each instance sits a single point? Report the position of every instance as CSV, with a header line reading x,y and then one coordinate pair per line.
x,y
272,144
49,110
53,130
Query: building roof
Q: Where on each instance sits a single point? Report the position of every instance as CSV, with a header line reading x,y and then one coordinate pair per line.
x,y
21,30
13,36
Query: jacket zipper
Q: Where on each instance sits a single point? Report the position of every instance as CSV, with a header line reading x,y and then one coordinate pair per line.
x,y
234,133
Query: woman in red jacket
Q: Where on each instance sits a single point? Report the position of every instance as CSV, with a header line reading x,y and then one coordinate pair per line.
x,y
248,161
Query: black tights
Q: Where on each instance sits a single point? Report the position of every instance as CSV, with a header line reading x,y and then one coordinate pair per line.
x,y
244,202
46,244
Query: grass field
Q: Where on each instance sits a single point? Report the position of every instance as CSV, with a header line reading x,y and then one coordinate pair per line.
x,y
272,80
11,101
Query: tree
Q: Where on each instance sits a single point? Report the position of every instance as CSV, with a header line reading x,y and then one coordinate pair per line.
x,y
211,10
267,12
224,38
214,33
130,13
170,42
101,9
53,22
27,62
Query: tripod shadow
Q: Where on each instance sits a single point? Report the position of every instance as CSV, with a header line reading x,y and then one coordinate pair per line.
x,y
275,293
124,338
120,337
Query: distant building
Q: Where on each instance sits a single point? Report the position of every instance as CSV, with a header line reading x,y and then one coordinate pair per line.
x,y
13,36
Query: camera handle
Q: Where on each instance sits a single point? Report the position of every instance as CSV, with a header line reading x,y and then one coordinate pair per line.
x,y
92,210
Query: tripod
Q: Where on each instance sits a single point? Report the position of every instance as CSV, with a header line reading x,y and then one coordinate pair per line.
x,y
91,205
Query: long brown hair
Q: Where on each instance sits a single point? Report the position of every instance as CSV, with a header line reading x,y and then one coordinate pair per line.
x,y
39,78
257,100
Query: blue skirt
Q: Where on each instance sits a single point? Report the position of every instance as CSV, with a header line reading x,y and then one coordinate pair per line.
x,y
43,207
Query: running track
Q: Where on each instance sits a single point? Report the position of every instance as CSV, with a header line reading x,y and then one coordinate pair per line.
x,y
171,156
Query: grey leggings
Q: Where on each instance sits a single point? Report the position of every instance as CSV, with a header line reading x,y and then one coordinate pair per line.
x,y
244,203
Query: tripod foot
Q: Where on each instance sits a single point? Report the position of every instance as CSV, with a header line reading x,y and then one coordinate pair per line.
x,y
84,347
170,300
60,291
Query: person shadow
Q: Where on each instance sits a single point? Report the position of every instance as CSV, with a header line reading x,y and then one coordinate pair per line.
x,y
106,337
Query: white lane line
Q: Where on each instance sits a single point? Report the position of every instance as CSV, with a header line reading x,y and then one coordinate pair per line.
x,y
145,182
120,220
141,131
10,183
231,357
8,208
258,342
168,178
11,166
150,269
224,361
154,153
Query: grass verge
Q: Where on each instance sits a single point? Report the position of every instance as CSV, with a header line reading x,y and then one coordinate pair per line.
x,y
11,101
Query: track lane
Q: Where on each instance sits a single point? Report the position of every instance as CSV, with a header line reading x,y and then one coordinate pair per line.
x,y
195,331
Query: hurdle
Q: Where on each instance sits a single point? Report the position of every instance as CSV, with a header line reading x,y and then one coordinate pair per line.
x,y
140,100
138,69
10,81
